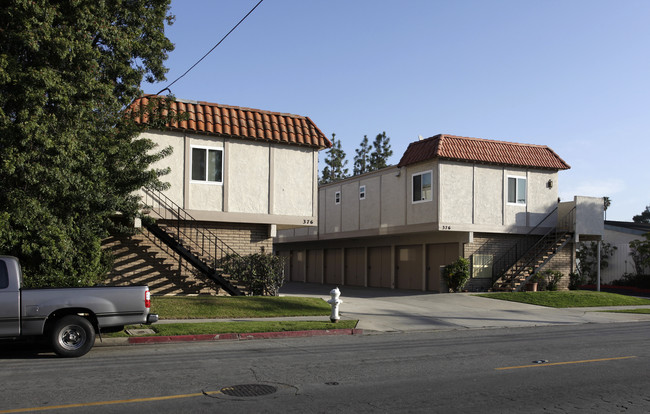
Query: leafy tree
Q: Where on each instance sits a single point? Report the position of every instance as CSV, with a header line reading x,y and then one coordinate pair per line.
x,y
335,163
640,252
381,151
71,158
586,258
644,217
362,159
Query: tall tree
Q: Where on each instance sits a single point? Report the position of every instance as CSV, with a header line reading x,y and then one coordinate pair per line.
x,y
644,217
335,163
606,203
381,151
71,159
362,157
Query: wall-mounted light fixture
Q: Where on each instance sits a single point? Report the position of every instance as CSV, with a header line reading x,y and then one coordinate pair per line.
x,y
549,184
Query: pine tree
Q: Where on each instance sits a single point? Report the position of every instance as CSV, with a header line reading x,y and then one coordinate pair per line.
x,y
381,152
644,217
71,158
362,159
335,163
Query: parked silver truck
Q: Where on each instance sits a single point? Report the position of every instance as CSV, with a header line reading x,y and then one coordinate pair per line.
x,y
69,317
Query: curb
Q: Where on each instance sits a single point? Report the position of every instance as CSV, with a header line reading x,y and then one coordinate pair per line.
x,y
143,340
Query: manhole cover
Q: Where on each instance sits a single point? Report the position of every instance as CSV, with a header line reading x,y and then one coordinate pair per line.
x,y
249,390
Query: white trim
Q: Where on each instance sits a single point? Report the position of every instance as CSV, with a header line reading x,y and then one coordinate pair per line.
x,y
517,178
362,192
426,200
207,148
337,197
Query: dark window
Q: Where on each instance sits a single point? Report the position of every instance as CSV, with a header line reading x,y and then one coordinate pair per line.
x,y
4,275
207,165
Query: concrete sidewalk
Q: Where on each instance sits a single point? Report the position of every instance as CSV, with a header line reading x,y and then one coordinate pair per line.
x,y
386,310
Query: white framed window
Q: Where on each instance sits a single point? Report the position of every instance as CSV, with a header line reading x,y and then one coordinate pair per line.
x,y
337,197
517,190
207,165
422,188
362,192
482,266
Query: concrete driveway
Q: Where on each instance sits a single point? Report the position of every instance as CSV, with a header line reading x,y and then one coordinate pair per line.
x,y
386,310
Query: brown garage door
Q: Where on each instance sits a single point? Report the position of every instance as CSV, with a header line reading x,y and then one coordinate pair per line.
x,y
439,255
409,267
355,266
315,266
379,267
297,266
333,266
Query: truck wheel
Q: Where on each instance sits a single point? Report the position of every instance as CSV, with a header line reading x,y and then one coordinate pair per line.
x,y
72,336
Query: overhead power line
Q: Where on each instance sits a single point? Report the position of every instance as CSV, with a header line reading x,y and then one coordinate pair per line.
x,y
210,51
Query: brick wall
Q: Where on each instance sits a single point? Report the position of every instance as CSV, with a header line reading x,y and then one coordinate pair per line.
x,y
143,259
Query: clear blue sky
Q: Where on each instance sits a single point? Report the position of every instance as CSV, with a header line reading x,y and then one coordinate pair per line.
x,y
573,75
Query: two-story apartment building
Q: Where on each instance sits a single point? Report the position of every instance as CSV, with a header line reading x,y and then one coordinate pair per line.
x,y
236,176
448,197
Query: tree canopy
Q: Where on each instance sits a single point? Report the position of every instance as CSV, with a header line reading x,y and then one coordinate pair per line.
x,y
362,157
335,163
644,217
381,151
71,158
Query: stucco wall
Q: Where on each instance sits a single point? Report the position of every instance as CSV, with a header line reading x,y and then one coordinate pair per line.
x,y
247,174
293,180
457,192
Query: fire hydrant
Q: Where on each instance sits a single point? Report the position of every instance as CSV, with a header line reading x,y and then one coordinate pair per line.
x,y
335,302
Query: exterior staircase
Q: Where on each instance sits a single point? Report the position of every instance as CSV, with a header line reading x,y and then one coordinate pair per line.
x,y
199,248
515,268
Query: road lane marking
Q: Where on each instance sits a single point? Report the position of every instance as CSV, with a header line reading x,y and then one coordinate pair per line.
x,y
114,402
565,363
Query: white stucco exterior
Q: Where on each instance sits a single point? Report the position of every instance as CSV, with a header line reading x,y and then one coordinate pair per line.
x,y
262,182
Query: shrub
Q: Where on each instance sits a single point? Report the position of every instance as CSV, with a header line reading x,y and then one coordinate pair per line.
x,y
456,274
552,278
260,274
634,280
576,280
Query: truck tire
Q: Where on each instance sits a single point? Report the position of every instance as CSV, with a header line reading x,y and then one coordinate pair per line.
x,y
72,336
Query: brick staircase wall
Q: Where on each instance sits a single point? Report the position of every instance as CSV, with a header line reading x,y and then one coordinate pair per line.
x,y
498,244
143,259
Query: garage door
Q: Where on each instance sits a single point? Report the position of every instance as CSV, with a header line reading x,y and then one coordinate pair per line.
x,y
409,267
439,255
355,266
333,266
379,274
315,266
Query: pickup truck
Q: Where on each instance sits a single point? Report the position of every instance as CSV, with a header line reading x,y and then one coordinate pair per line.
x,y
69,318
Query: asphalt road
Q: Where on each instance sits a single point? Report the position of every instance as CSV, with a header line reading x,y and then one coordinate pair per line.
x,y
590,368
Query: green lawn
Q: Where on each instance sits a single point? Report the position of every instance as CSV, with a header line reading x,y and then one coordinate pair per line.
x,y
226,307
570,299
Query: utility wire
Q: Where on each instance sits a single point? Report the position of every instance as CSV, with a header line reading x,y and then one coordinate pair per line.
x,y
210,51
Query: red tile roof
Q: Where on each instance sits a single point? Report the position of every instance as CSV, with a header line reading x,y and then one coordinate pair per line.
x,y
237,122
486,151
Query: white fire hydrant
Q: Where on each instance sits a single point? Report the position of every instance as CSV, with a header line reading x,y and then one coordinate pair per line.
x,y
335,302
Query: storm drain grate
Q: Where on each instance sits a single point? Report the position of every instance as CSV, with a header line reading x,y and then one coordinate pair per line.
x,y
249,390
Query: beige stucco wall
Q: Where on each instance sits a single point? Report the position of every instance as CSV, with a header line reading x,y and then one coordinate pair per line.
x,y
293,180
488,195
370,207
457,192
175,178
589,216
262,182
247,176
393,198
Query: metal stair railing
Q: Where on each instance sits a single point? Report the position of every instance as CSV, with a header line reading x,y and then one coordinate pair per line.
x,y
516,263
200,246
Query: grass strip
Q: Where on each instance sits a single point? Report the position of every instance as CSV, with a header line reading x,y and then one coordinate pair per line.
x,y
629,311
227,307
174,329
570,299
